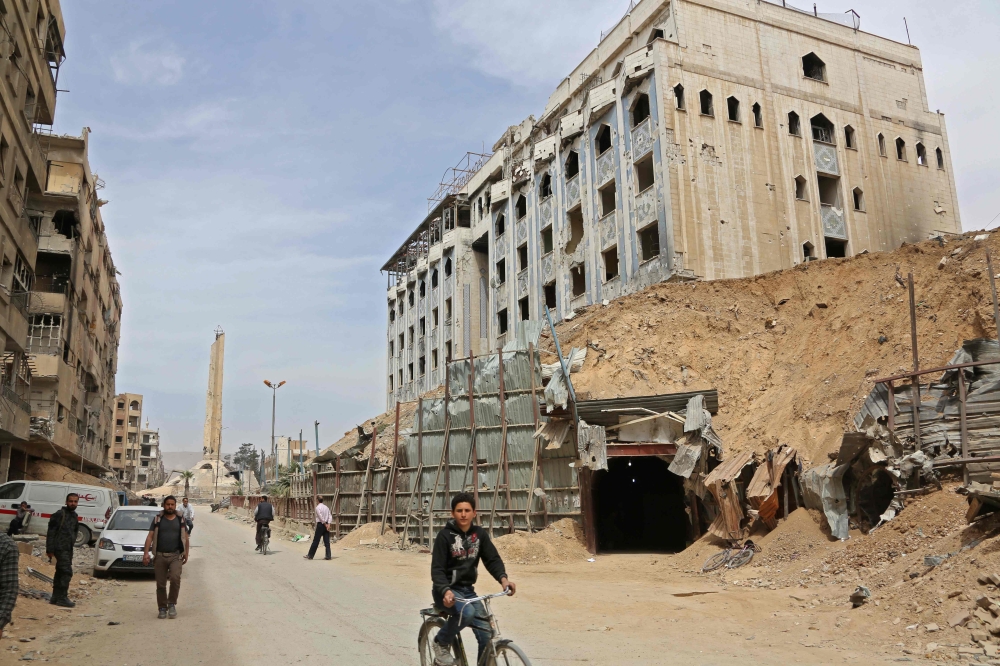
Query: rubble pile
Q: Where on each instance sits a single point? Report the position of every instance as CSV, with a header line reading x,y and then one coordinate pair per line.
x,y
561,541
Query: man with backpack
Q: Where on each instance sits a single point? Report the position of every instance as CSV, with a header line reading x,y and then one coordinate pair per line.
x,y
168,540
59,543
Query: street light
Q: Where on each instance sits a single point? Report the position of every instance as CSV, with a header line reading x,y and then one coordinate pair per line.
x,y
274,392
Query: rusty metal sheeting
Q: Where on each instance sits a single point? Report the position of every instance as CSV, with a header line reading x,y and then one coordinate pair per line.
x,y
686,459
592,411
823,489
592,446
762,491
721,483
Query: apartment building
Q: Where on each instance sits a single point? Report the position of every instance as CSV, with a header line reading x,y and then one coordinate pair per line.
x,y
150,473
700,139
125,449
74,314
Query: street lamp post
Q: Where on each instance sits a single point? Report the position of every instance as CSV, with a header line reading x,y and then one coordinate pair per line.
x,y
274,455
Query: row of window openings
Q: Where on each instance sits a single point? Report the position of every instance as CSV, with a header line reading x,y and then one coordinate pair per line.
x,y
421,367
421,327
421,288
828,192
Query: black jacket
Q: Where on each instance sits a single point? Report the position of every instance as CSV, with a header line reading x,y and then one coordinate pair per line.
x,y
264,511
456,555
61,536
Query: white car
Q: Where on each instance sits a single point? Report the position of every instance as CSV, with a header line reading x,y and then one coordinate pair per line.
x,y
119,548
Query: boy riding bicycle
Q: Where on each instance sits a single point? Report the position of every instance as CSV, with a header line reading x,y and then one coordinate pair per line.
x,y
454,569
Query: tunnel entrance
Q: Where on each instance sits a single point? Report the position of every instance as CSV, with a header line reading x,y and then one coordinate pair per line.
x,y
639,506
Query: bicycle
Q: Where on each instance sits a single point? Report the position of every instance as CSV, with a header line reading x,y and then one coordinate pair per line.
x,y
732,557
265,539
502,651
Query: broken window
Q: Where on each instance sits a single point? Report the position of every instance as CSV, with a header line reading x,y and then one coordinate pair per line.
x,y
550,295
579,277
422,326
521,207
402,344
603,139
24,279
434,318
502,321
409,342
409,372
447,350
572,164
392,348
434,359
610,263
392,311
522,257
522,307
822,129
422,365
808,251
479,207
30,101
575,219
464,217
500,225
434,278
940,158
835,248
546,240
447,267
390,389
545,187
733,105
829,191
900,149
608,203
921,155
409,297
656,34
501,271
44,333
644,178
859,199
881,145
640,109
706,103
813,67
758,118
793,124
679,96
400,376
849,137
423,289
447,310
649,242
800,189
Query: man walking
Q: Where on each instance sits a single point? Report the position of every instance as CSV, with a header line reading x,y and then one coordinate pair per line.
x,y
8,579
187,513
168,539
263,515
59,544
323,520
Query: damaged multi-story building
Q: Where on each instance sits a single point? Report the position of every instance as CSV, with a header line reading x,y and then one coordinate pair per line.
x,y
701,139
150,473
124,455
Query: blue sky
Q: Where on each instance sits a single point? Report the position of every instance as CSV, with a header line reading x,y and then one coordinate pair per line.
x,y
263,159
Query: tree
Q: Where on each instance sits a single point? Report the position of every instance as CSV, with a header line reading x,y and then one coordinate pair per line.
x,y
247,457
187,475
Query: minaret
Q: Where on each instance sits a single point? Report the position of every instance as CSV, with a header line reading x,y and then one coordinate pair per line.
x,y
213,398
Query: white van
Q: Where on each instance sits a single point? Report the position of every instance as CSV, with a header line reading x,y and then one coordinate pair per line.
x,y
46,497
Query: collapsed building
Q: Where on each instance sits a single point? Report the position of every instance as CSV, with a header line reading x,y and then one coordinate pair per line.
x,y
698,140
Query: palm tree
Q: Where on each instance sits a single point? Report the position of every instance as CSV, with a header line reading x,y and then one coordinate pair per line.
x,y
187,475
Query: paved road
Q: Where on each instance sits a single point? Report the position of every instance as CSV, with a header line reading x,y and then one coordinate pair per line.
x,y
239,607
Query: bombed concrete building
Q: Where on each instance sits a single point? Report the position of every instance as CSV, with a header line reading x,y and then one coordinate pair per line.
x,y
698,140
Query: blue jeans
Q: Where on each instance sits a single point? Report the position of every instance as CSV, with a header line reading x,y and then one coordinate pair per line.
x,y
461,616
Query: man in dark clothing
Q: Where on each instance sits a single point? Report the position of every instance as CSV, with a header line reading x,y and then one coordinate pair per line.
x,y
168,539
59,543
454,570
8,579
22,516
263,515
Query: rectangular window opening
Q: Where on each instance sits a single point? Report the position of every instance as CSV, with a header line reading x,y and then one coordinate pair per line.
x,y
579,277
550,295
644,177
502,271
502,321
649,242
575,219
546,240
522,257
522,306
608,196
610,263
835,248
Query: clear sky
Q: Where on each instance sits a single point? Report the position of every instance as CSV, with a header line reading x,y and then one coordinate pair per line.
x,y
264,159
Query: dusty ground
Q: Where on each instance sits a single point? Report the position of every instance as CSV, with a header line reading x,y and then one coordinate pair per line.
x,y
643,609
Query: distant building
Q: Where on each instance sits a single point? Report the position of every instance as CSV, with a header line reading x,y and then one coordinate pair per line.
x,y
151,472
125,449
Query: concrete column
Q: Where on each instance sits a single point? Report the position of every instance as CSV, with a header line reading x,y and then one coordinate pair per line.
x,y
4,462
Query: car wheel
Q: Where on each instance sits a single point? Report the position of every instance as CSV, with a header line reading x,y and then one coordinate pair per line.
x,y
82,536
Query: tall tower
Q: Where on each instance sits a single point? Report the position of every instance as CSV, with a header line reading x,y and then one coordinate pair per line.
x,y
213,398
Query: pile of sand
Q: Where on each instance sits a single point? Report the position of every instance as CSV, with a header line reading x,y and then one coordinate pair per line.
x,y
44,470
562,541
370,535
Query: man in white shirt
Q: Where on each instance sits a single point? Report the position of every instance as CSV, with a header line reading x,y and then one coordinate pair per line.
x,y
187,513
323,520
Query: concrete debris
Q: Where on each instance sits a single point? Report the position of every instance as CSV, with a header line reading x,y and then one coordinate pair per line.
x,y
861,595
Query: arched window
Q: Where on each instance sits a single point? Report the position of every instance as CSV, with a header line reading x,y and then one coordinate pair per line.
x,y
758,118
640,109
900,149
545,187
733,105
501,225
134,404
940,158
603,139
679,96
434,278
572,164
794,127
822,129
521,207
808,251
859,199
705,98
881,145
800,189
813,67
849,137
921,155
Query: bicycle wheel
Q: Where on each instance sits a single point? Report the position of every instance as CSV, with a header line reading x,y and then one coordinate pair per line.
x,y
740,558
509,654
716,561
428,630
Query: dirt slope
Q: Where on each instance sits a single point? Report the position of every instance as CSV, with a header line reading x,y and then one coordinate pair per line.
x,y
793,353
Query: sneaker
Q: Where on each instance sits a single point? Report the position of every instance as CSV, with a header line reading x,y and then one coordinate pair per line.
x,y
257,548
65,603
171,611
162,615
306,557
442,654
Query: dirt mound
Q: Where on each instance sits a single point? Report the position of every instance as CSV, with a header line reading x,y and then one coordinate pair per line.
x,y
44,470
370,535
386,423
794,352
562,541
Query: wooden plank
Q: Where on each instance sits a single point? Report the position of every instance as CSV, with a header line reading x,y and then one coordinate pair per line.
x,y
409,505
974,506
536,467
503,444
444,460
390,493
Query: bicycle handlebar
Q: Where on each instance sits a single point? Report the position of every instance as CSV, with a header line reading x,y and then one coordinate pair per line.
x,y
506,593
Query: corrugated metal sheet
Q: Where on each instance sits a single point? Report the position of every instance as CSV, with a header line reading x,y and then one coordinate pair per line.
x,y
592,412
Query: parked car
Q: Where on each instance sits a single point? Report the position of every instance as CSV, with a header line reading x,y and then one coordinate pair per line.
x,y
119,547
46,497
